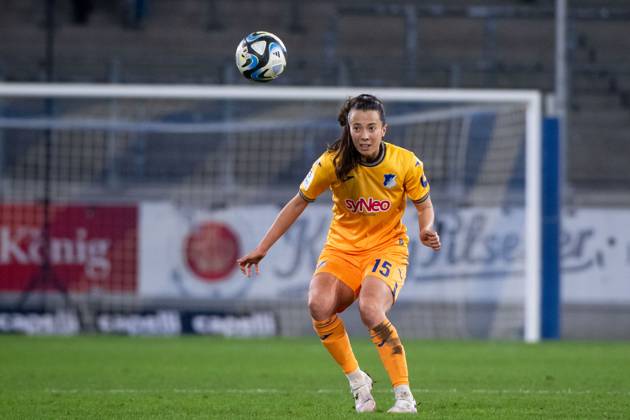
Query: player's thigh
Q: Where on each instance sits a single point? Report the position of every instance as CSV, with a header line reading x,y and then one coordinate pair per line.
x,y
375,300
328,295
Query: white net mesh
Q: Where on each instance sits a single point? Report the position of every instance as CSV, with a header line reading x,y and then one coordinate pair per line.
x,y
82,179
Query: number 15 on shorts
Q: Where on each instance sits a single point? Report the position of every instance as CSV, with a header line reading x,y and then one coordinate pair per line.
x,y
384,267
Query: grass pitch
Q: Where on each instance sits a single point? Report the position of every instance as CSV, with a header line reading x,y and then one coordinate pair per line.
x,y
107,377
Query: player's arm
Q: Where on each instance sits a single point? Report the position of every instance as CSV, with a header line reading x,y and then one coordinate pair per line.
x,y
426,218
289,214
417,188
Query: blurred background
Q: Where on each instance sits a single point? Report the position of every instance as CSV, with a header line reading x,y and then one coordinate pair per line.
x,y
126,216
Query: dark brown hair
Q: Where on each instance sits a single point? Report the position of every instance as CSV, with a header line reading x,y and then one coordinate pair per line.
x,y
347,157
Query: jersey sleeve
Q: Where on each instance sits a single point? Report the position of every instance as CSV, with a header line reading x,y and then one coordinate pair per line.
x,y
319,178
416,183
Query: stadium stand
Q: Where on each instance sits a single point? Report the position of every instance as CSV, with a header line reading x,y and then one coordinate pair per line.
x,y
445,44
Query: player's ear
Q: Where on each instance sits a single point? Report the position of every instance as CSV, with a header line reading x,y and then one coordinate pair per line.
x,y
384,129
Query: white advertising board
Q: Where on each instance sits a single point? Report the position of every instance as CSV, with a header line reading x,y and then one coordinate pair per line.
x,y
191,253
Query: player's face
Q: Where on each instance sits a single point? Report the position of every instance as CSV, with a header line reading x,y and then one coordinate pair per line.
x,y
367,131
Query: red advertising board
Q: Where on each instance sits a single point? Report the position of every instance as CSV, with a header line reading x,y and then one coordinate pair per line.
x,y
90,248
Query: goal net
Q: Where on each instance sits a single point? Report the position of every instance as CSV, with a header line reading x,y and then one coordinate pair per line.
x,y
130,199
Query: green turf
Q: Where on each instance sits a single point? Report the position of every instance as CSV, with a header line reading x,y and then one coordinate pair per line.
x,y
198,378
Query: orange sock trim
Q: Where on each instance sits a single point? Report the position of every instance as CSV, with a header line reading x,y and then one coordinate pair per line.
x,y
333,336
391,352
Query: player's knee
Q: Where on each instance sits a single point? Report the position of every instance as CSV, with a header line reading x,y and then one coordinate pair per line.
x,y
371,312
319,308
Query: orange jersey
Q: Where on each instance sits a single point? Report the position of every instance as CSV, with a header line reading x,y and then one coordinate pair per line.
x,y
368,207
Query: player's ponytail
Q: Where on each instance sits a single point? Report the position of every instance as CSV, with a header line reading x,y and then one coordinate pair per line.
x,y
347,157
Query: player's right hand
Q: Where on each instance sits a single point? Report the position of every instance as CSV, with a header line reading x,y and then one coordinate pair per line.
x,y
253,258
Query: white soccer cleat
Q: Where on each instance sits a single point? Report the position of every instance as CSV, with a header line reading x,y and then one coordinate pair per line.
x,y
362,393
404,403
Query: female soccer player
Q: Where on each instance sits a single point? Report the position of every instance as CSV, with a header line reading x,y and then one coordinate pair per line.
x,y
365,255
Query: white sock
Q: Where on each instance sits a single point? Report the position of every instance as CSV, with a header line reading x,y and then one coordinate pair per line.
x,y
355,376
401,389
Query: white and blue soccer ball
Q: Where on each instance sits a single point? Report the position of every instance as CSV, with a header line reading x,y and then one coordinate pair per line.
x,y
261,56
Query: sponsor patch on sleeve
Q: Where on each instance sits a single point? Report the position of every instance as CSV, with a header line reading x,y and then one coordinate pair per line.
x,y
308,179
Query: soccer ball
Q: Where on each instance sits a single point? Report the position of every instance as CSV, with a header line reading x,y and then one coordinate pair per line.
x,y
261,56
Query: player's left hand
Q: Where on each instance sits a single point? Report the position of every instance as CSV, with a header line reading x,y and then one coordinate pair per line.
x,y
431,239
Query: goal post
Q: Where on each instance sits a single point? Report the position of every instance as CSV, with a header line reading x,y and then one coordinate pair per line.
x,y
234,119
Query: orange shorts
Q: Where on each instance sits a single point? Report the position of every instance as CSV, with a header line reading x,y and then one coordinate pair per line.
x,y
388,264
